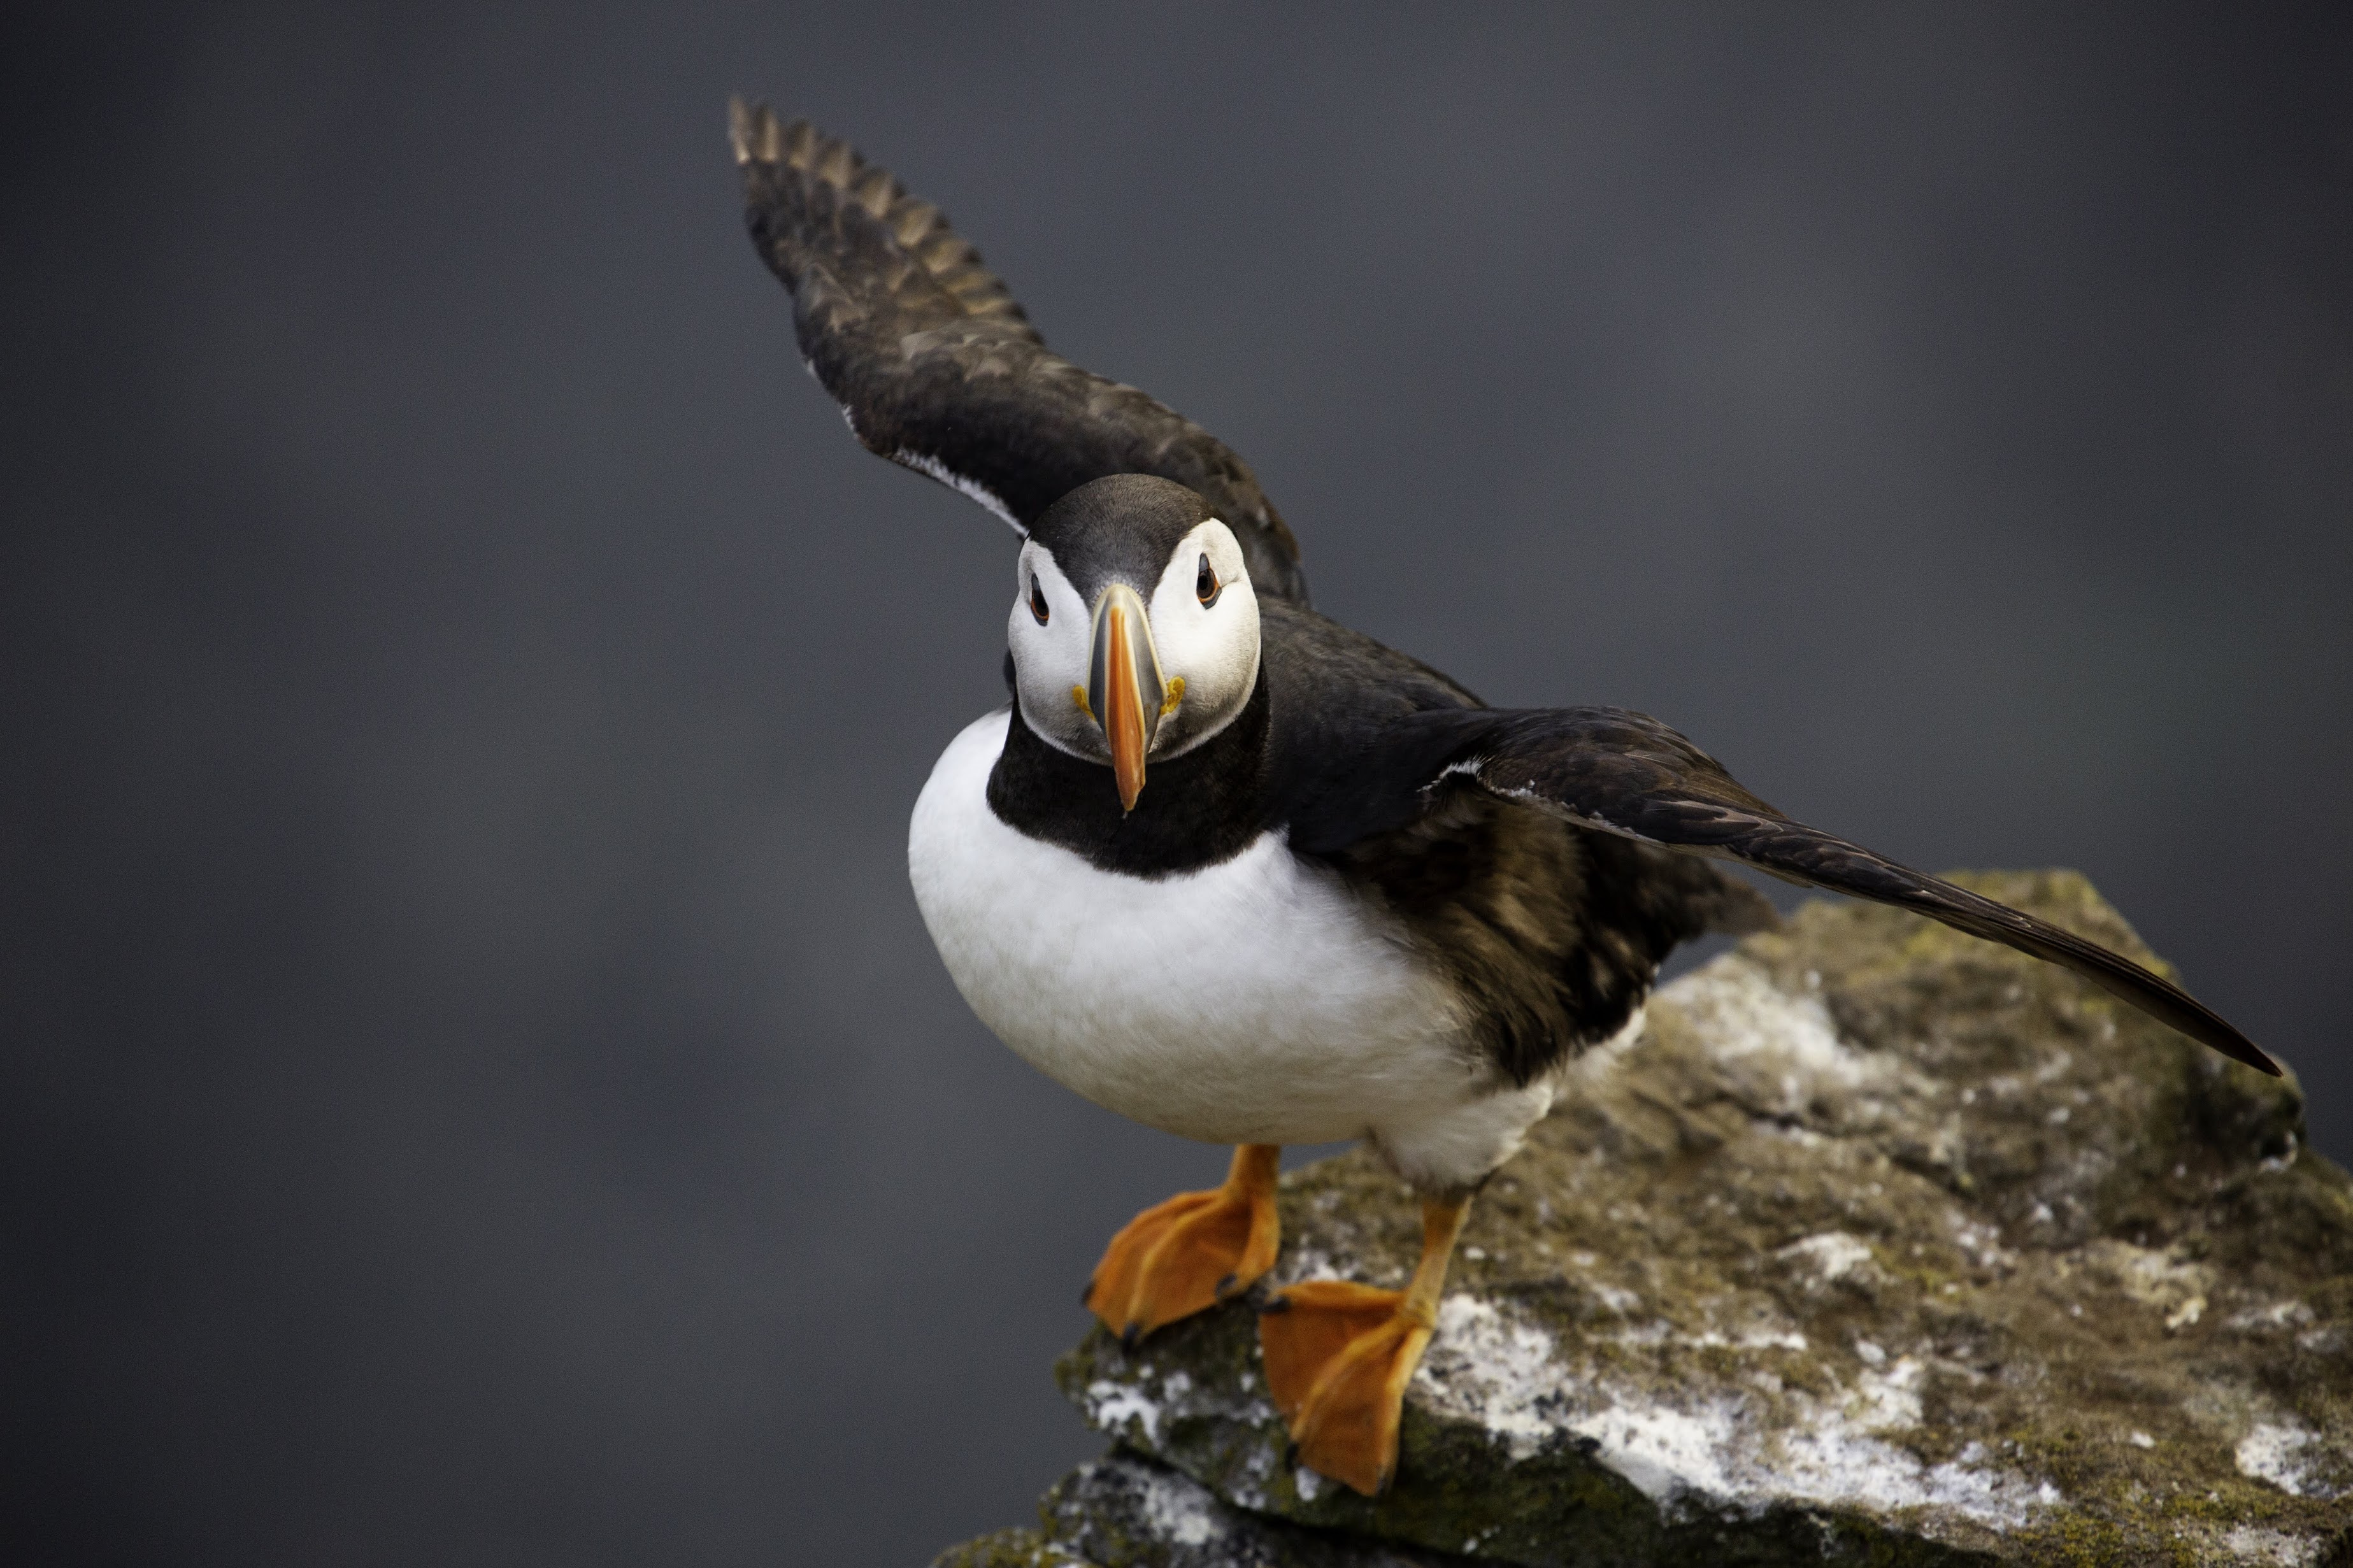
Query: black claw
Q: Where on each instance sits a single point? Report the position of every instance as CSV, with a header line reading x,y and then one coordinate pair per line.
x,y
1222,1286
1129,1335
1086,1293
1272,1305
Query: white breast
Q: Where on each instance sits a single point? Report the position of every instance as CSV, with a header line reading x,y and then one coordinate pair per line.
x,y
1257,1001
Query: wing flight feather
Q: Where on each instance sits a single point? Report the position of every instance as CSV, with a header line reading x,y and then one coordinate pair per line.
x,y
1625,772
937,368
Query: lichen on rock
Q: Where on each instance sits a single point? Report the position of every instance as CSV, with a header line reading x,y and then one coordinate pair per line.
x,y
1882,1245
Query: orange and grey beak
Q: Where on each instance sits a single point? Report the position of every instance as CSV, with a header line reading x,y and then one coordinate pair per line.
x,y
1124,686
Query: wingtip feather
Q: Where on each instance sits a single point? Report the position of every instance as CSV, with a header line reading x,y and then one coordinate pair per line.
x,y
921,230
739,127
2255,1057
755,133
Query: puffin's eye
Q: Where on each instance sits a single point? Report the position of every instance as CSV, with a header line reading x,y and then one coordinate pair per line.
x,y
1206,586
1037,598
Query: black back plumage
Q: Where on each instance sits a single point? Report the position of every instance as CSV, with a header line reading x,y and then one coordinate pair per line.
x,y
1549,858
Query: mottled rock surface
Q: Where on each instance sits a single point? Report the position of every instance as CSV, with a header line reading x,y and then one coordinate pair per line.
x,y
1882,1245
1124,1508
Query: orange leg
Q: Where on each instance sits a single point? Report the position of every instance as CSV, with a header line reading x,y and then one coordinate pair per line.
x,y
1192,1252
1338,1355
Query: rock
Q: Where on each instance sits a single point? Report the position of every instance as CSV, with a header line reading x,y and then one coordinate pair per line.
x,y
1882,1245
1008,1549
1125,1508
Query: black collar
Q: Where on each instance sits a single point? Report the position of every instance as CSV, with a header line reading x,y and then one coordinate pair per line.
x,y
1196,810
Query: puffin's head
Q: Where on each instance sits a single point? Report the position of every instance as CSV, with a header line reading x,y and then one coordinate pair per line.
x,y
1134,632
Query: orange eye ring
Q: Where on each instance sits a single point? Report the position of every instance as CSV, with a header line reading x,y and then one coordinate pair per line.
x,y
1206,586
1037,598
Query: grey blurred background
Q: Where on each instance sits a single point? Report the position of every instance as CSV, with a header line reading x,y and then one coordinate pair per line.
x,y
476,1088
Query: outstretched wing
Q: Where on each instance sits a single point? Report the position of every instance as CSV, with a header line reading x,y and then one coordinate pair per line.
x,y
1625,772
937,368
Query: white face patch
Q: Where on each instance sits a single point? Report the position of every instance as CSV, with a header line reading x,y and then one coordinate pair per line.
x,y
1050,661
1213,648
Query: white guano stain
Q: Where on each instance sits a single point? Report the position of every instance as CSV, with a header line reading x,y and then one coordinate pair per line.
x,y
1831,1255
1738,1008
1725,1450
1179,1512
2273,1548
2277,1452
2282,1314
1112,1406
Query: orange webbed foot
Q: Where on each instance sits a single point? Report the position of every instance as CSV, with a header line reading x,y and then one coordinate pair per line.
x,y
1338,1357
1192,1252
1337,1360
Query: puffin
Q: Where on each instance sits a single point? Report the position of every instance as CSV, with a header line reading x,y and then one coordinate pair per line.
x,y
1235,871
